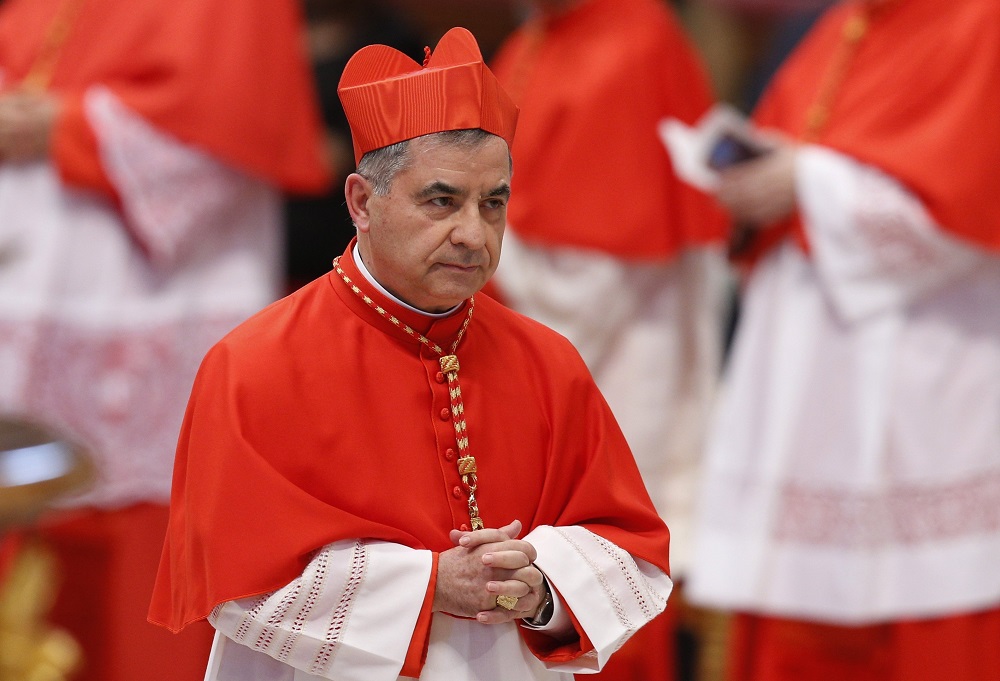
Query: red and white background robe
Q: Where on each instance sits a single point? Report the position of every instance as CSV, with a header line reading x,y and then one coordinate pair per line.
x,y
153,227
853,467
852,475
102,326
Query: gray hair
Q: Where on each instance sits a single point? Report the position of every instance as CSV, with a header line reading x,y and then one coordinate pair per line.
x,y
380,166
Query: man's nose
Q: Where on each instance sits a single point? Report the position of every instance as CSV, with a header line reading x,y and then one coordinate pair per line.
x,y
470,229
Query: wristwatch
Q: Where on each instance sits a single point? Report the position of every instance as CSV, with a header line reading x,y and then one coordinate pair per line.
x,y
544,612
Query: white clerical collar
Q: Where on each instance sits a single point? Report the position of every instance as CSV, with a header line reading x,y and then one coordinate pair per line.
x,y
368,275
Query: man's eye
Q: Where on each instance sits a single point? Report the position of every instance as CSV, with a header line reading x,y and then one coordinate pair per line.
x,y
495,204
442,201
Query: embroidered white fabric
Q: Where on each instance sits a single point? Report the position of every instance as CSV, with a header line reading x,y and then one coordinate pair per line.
x,y
350,616
611,593
852,473
651,334
875,246
97,339
170,191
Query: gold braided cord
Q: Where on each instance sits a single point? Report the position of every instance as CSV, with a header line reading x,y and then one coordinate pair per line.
x,y
465,462
819,113
396,322
853,32
521,71
42,69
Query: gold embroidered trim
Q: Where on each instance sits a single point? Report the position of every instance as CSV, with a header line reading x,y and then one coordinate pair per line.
x,y
449,367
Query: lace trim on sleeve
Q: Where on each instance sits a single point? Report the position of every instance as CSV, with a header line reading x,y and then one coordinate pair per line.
x,y
876,246
349,616
151,170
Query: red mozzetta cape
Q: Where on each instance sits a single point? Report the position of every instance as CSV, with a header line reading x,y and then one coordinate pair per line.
x,y
590,169
919,100
318,420
228,77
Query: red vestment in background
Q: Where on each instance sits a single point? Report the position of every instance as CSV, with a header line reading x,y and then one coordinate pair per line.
x,y
916,97
590,169
227,84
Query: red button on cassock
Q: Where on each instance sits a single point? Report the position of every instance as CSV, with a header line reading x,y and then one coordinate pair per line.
x,y
439,377
464,528
449,454
456,492
445,414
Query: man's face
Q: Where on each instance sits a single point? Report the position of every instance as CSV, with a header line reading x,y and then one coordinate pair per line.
x,y
434,239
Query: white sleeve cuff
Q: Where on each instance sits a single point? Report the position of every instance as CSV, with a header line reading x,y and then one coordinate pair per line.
x,y
350,616
874,244
611,593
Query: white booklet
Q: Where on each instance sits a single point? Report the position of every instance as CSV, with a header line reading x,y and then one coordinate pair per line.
x,y
721,138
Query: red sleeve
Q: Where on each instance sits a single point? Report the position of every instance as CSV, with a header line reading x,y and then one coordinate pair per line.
x,y
75,150
548,649
416,655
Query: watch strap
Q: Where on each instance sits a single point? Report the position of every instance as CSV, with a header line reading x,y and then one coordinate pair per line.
x,y
544,611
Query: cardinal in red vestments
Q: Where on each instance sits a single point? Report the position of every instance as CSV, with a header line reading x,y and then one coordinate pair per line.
x,y
390,475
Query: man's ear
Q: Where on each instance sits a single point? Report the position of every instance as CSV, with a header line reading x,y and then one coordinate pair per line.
x,y
358,192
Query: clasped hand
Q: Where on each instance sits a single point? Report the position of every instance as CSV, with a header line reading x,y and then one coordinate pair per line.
x,y
26,123
485,564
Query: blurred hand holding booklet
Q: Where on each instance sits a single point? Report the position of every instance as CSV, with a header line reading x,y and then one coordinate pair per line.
x,y
721,138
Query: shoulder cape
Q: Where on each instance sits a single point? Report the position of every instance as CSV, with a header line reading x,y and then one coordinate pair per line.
x,y
318,420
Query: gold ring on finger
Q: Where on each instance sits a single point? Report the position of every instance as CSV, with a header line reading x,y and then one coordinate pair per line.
x,y
507,602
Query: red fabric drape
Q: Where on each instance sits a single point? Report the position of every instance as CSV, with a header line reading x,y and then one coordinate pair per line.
x,y
589,168
959,648
919,100
228,77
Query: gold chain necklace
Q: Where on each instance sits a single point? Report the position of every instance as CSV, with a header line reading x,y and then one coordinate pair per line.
x,y
40,74
449,366
853,32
